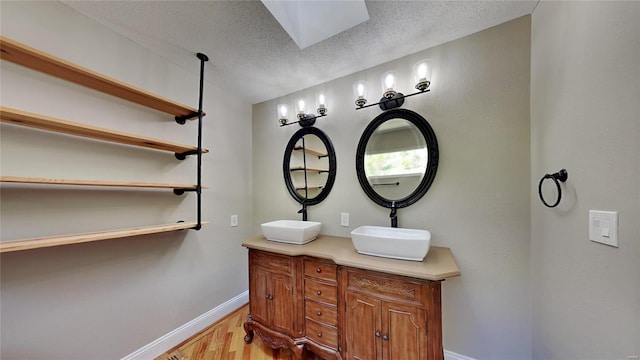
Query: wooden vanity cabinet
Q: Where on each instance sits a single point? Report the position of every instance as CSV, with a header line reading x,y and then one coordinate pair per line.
x,y
321,310
390,317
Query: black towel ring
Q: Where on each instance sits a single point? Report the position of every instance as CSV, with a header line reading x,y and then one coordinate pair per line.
x,y
561,175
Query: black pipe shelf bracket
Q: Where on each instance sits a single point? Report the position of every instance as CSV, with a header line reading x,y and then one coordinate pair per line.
x,y
560,176
182,156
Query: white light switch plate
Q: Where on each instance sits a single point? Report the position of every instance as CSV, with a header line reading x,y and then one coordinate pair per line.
x,y
603,227
234,221
344,219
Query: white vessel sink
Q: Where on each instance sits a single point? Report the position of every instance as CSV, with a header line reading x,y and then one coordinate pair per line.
x,y
291,231
395,243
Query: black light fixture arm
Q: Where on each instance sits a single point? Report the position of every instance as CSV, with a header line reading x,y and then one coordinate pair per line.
x,y
394,102
306,121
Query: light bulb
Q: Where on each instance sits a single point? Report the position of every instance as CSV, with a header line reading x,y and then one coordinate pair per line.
x,y
389,81
360,92
422,74
283,109
321,107
422,71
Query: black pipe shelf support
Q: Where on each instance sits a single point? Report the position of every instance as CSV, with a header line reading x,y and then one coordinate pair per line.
x,y
198,151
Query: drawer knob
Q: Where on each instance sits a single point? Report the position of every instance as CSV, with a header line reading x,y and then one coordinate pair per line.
x,y
269,297
319,313
385,337
320,335
377,333
318,292
318,270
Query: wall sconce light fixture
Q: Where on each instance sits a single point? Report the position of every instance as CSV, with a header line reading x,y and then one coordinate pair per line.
x,y
304,119
390,97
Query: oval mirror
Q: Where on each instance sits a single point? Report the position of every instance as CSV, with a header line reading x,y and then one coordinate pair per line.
x,y
309,166
397,158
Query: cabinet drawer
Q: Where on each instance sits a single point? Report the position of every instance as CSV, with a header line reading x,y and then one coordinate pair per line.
x,y
271,261
388,286
321,313
322,334
321,292
320,270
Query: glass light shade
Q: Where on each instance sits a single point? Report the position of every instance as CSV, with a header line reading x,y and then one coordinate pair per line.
x,y
360,92
388,81
422,74
321,103
283,112
300,107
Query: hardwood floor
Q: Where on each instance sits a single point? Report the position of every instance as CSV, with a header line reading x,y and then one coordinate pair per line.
x,y
224,340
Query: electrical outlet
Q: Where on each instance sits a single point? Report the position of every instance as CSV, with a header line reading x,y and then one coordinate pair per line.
x,y
234,220
344,219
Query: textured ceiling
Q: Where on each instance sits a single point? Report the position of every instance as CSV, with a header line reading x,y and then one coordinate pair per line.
x,y
254,58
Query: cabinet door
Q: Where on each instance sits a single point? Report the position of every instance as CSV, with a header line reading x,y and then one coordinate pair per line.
x,y
281,304
363,327
258,294
404,335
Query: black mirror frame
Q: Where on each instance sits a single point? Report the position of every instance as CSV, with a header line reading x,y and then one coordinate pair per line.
x,y
331,154
432,165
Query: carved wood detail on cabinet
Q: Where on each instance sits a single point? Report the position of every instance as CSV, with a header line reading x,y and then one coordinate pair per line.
x,y
322,310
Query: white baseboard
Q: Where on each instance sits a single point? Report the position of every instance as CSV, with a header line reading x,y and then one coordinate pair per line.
x,y
450,355
184,332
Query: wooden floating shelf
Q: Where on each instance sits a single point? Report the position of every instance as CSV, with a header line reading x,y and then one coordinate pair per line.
x,y
34,243
45,181
310,151
40,61
24,118
301,168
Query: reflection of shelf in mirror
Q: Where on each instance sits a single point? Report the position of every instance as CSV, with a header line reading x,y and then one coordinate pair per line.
x,y
42,122
302,168
45,181
312,187
34,243
311,151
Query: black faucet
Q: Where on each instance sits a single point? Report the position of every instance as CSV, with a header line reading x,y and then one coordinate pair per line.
x,y
303,211
394,215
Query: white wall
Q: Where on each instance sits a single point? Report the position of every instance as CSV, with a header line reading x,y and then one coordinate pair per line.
x,y
105,300
585,117
479,203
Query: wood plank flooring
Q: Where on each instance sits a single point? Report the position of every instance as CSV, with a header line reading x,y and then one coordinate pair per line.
x,y
224,340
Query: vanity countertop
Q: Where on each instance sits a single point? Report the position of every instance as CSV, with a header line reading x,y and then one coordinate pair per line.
x,y
438,265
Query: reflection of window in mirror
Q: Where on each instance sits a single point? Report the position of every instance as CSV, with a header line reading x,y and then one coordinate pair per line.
x,y
395,159
403,163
